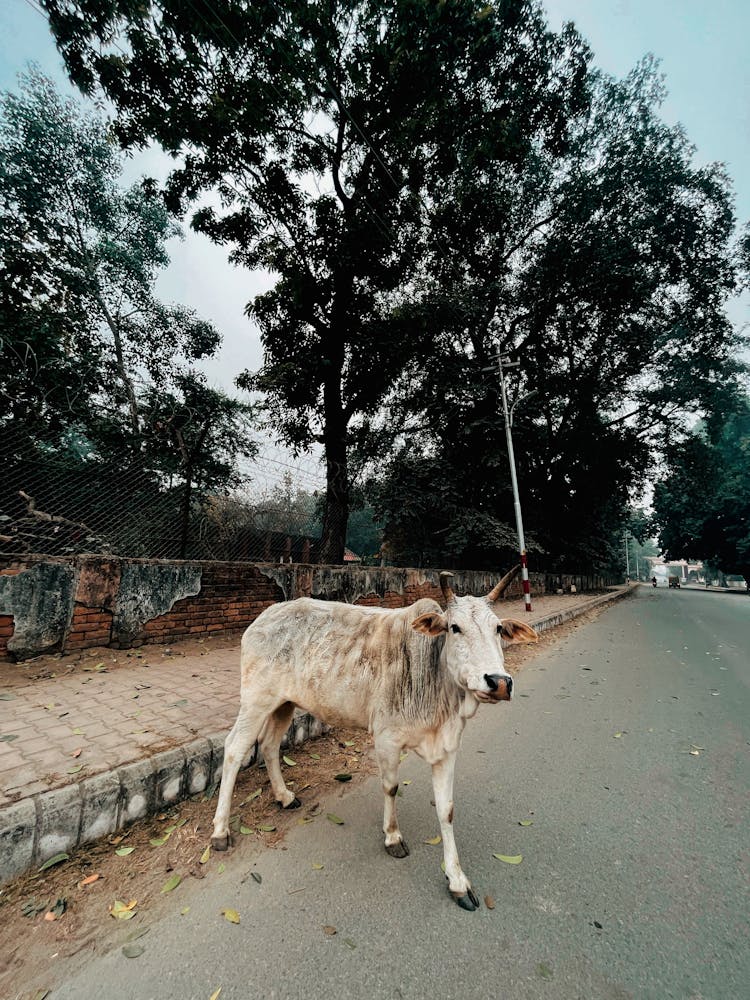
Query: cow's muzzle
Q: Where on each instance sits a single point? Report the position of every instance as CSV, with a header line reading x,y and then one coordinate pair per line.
x,y
500,687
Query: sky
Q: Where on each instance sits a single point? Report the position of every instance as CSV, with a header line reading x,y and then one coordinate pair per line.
x,y
704,50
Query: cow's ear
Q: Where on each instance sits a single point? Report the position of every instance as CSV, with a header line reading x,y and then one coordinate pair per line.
x,y
515,631
432,623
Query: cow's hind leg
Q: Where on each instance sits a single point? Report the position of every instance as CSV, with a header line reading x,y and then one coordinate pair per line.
x,y
388,753
246,730
277,725
442,785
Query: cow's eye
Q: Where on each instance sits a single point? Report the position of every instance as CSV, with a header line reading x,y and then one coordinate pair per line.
x,y
499,629
455,628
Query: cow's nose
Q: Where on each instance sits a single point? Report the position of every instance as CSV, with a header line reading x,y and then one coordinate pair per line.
x,y
500,685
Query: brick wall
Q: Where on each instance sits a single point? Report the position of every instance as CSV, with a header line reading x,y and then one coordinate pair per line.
x,y
107,601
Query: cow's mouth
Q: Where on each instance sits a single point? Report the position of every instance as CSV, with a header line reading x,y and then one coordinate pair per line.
x,y
499,688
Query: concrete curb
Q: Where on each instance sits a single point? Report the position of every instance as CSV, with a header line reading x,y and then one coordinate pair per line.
x,y
49,823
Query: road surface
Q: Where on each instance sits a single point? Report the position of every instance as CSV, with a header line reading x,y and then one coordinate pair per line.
x,y
634,875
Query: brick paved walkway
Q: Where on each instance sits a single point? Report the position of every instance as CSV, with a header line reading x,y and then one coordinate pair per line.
x,y
63,719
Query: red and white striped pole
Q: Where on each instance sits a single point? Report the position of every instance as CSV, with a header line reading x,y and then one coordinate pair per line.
x,y
502,364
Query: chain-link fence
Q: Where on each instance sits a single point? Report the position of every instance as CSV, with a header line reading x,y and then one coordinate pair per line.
x,y
60,503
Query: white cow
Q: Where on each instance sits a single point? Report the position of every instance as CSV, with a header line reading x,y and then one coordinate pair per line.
x,y
411,676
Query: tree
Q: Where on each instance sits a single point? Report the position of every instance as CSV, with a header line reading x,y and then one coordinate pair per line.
x,y
96,381
602,262
79,260
365,104
702,504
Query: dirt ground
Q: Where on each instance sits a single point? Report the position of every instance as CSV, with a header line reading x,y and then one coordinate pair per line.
x,y
65,911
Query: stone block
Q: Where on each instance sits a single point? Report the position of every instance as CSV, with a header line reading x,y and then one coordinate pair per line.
x,y
100,803
198,758
170,771
58,815
138,791
17,834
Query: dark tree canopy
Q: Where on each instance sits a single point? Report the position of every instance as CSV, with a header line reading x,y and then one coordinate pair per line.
x,y
327,130
702,504
429,183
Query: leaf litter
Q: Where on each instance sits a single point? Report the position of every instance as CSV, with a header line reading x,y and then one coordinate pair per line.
x,y
132,871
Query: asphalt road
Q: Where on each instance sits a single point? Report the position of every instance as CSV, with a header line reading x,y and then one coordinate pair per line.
x,y
634,875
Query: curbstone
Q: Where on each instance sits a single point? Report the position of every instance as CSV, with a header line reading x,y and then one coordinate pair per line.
x,y
171,769
138,784
17,836
198,772
58,822
100,804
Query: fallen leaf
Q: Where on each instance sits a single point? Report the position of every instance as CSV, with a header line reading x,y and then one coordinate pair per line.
x,y
54,861
221,869
526,822
335,819
50,915
89,881
257,877
132,950
327,929
138,932
9,738
509,859
159,841
77,753
315,756
434,840
7,697
317,867
123,852
245,830
75,769
289,761
256,793
78,731
617,736
343,777
205,856
403,755
184,910
489,902
171,883
694,753
123,911
349,943
266,829
232,916
407,782
215,994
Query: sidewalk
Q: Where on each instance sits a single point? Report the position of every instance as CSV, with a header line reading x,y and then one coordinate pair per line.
x,y
91,742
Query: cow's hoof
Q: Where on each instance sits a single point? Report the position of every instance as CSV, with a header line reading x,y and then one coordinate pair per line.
x,y
398,850
294,804
468,901
221,843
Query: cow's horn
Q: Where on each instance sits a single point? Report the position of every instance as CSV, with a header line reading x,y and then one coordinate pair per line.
x,y
445,586
500,588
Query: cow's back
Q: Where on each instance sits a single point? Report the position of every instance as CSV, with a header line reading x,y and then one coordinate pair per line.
x,y
342,662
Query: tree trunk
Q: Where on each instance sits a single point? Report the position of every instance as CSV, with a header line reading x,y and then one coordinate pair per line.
x,y
336,511
185,513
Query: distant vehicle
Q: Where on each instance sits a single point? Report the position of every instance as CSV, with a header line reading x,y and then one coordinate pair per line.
x,y
674,582
736,582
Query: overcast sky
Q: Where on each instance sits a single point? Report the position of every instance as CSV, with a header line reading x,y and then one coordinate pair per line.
x,y
704,49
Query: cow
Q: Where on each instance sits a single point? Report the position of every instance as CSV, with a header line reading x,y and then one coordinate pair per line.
x,y
411,676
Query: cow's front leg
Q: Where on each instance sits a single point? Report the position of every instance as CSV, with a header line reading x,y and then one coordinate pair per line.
x,y
442,784
387,751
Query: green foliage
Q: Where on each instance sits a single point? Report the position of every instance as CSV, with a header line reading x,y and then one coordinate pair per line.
x,y
96,383
702,505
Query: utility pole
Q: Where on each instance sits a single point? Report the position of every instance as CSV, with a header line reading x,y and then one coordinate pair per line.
x,y
504,364
627,556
